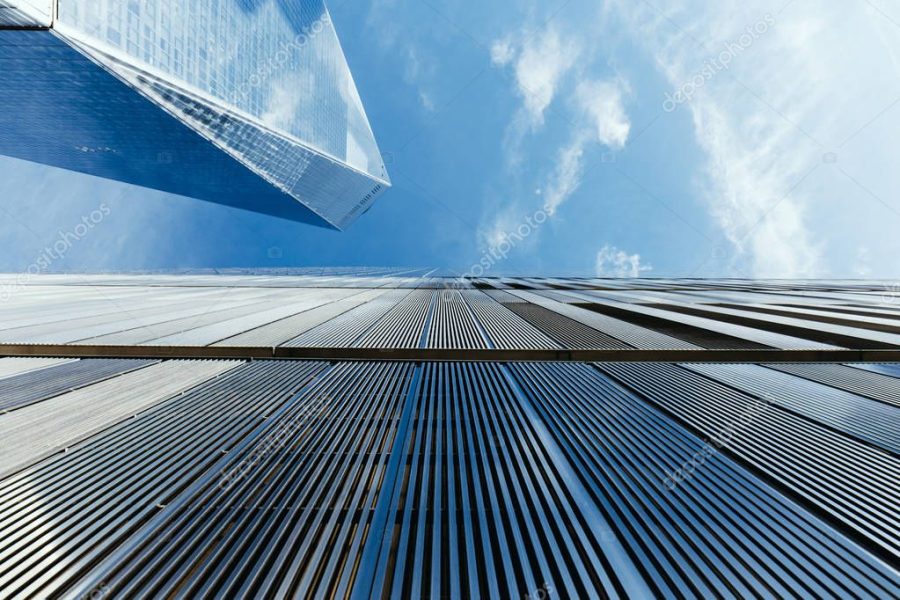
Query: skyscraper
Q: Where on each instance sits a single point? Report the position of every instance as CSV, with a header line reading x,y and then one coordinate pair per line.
x,y
248,103
381,434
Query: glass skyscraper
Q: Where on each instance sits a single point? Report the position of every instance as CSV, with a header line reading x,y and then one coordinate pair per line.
x,y
248,103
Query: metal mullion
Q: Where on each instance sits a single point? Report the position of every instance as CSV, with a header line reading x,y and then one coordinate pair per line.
x,y
802,537
87,502
110,448
375,555
453,468
364,492
554,500
377,389
540,461
111,562
491,514
504,475
414,458
312,484
596,479
259,521
522,477
643,509
231,504
461,390
773,464
400,377
779,429
174,469
427,487
437,522
823,536
53,469
719,490
627,439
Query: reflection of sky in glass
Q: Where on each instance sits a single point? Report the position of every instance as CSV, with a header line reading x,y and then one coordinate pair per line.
x,y
25,13
278,61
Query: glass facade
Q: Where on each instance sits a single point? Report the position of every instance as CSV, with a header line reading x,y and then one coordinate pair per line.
x,y
26,13
279,62
262,82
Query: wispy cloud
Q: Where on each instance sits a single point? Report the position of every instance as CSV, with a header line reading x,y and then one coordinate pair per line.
x,y
613,262
539,64
601,102
419,66
772,121
600,118
552,67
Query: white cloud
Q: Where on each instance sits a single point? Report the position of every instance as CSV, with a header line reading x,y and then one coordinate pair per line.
x,y
766,121
546,67
613,262
289,94
566,177
541,62
602,103
419,63
603,120
502,52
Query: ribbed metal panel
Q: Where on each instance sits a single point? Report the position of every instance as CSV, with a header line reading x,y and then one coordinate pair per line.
x,y
832,335
350,326
720,534
569,333
60,518
288,515
93,317
889,370
872,385
378,479
504,328
140,331
452,324
870,321
637,337
225,328
698,332
10,367
858,417
718,334
291,327
33,432
28,388
502,296
403,325
857,485
482,511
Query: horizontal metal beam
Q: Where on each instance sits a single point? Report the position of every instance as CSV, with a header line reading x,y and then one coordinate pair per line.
x,y
441,354
25,28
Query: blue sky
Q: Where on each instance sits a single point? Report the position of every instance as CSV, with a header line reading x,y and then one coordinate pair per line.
x,y
678,138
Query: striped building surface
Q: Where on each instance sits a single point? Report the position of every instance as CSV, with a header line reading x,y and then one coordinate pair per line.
x,y
382,434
